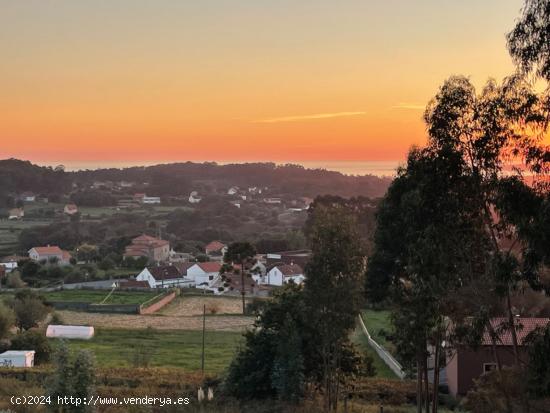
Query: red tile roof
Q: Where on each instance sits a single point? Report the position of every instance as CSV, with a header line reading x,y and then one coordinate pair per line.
x,y
290,269
524,326
214,246
148,240
210,266
49,250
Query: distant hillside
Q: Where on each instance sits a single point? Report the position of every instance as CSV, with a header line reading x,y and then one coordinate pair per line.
x,y
177,179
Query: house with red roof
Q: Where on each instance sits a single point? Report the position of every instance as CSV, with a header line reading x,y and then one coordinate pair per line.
x,y
465,364
70,209
49,253
157,250
204,274
215,249
280,274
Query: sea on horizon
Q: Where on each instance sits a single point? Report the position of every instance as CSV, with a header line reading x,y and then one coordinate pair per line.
x,y
377,168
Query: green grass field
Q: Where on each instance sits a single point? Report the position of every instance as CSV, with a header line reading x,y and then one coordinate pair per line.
x,y
360,340
97,296
181,349
377,320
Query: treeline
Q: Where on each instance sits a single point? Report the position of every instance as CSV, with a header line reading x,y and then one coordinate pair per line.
x,y
179,178
18,176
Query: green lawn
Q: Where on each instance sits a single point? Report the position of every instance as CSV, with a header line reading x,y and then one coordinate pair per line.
x,y
360,340
97,296
181,349
375,321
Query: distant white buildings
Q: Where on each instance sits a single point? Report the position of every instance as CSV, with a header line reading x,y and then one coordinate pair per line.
x,y
27,197
233,190
150,200
70,209
194,198
144,199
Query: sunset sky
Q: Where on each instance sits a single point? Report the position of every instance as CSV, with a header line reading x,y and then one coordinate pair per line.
x,y
165,80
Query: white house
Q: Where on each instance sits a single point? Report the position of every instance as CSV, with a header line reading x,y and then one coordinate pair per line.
x,y
204,274
17,358
165,276
233,190
272,200
215,249
10,263
150,200
70,209
49,252
283,273
194,198
27,197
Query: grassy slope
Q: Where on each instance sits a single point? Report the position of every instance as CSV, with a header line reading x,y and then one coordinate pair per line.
x,y
182,349
375,320
382,370
94,296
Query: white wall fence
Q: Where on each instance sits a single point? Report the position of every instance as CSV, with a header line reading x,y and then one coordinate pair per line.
x,y
386,357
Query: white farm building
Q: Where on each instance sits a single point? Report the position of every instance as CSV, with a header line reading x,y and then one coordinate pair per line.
x,y
17,358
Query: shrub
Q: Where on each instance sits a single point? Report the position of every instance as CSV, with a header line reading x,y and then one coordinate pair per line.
x,y
56,319
33,340
7,320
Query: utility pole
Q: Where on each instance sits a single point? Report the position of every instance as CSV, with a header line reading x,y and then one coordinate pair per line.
x,y
203,331
243,292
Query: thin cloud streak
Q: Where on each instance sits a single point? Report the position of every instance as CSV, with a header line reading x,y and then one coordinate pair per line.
x,y
409,106
309,117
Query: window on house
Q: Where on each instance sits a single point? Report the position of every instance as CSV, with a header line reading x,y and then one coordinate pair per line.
x,y
210,277
487,367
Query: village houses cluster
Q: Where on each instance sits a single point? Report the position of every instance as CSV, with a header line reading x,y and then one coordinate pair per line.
x,y
167,268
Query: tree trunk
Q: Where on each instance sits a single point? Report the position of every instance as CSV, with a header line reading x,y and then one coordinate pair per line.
x,y
418,385
243,292
512,322
426,382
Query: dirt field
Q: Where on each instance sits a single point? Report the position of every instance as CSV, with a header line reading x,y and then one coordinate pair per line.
x,y
190,306
162,322
184,313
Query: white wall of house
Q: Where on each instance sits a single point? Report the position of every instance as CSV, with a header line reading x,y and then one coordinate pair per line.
x,y
274,277
298,279
199,276
9,266
146,275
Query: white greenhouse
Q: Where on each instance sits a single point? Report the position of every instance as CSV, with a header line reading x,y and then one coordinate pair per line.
x,y
17,358
70,332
